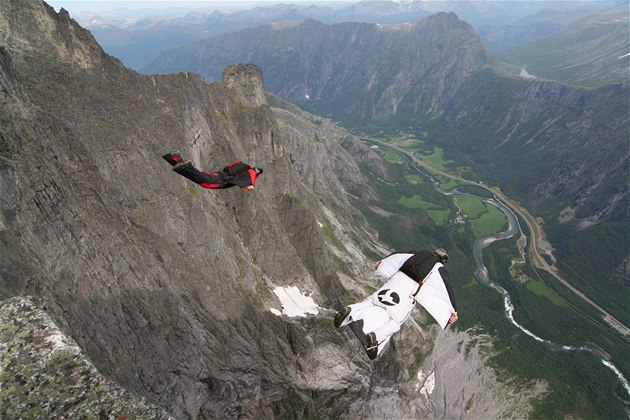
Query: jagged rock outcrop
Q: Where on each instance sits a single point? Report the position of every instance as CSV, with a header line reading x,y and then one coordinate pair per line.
x,y
166,287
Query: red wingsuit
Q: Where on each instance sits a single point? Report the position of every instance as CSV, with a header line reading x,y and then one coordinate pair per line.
x,y
236,174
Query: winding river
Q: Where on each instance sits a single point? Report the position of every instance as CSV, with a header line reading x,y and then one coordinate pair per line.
x,y
483,278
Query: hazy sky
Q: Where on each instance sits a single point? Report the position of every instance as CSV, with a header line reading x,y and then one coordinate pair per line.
x,y
181,7
82,5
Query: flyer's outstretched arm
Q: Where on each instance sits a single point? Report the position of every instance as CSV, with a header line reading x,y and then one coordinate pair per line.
x,y
449,288
436,297
391,264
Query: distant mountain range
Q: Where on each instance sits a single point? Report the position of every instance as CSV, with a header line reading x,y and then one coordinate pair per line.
x,y
352,71
592,52
137,41
547,21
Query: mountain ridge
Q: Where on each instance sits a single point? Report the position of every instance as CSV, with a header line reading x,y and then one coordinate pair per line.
x,y
138,41
323,70
167,287
590,53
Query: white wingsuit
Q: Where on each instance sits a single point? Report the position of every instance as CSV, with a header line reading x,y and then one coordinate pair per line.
x,y
384,312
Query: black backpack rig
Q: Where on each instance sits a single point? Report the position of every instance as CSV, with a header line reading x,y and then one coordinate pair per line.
x,y
418,266
234,169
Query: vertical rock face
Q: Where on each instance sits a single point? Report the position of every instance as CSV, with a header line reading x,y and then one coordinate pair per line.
x,y
165,285
31,28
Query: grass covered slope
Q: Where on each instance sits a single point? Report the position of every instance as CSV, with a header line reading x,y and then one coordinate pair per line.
x,y
592,52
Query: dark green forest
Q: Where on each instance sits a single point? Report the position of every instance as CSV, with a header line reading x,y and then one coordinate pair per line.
x,y
578,383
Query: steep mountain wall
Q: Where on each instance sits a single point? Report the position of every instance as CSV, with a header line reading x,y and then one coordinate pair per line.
x,y
167,287
549,140
591,52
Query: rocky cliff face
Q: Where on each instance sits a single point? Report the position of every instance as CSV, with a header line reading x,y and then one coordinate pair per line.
x,y
167,287
164,285
45,373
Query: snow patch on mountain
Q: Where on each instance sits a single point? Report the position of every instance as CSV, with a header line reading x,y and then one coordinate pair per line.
x,y
294,303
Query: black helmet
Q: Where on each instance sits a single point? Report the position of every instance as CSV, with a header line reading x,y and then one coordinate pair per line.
x,y
441,254
258,169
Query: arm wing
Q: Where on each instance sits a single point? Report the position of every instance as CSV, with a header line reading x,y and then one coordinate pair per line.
x,y
391,264
435,298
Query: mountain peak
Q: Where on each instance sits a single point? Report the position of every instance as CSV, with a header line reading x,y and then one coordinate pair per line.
x,y
34,27
246,80
447,20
